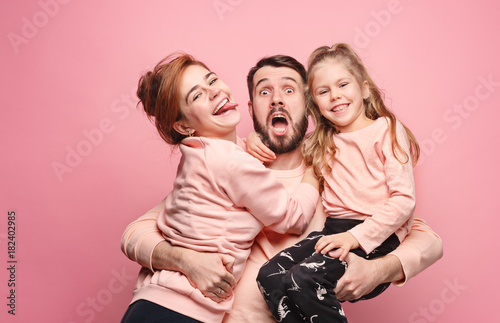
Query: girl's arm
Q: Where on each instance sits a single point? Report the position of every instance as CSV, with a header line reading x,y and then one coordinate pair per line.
x,y
397,211
144,243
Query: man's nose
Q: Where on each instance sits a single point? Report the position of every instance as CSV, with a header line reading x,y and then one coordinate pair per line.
x,y
277,100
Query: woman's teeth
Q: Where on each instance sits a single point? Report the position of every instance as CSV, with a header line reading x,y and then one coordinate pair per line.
x,y
220,106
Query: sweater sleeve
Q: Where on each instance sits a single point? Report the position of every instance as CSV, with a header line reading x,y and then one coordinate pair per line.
x,y
398,209
420,249
142,236
251,185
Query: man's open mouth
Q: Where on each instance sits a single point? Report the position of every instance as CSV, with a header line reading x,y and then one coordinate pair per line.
x,y
279,123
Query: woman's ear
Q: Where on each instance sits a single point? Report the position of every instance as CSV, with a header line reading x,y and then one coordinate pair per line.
x,y
182,128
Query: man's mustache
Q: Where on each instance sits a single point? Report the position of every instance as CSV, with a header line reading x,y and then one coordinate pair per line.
x,y
279,109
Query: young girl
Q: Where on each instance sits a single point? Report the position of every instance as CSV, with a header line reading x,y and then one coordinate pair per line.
x,y
363,157
222,197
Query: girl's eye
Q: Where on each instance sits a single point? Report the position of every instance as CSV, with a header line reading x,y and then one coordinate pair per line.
x,y
322,92
264,92
289,91
196,96
343,84
212,81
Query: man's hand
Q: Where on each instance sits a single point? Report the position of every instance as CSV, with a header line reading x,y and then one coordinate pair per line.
x,y
362,276
212,274
345,240
258,149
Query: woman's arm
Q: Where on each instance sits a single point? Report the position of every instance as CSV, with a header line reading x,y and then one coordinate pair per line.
x,y
144,243
420,249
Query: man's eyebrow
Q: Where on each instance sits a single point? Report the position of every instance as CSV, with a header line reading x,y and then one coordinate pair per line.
x,y
197,86
260,81
285,78
288,78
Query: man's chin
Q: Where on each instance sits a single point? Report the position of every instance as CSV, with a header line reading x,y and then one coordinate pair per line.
x,y
281,145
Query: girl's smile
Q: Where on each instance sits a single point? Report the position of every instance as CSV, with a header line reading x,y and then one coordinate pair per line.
x,y
339,96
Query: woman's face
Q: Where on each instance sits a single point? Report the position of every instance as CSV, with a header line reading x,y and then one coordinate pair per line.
x,y
207,105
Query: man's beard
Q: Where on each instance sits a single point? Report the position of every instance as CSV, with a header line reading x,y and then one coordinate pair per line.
x,y
281,144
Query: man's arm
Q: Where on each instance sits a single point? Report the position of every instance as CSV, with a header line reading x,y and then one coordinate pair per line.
x,y
144,243
141,237
420,249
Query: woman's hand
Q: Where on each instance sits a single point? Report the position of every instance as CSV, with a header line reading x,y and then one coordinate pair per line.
x,y
258,149
345,241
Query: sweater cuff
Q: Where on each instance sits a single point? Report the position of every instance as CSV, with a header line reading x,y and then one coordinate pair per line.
x,y
146,247
410,261
364,243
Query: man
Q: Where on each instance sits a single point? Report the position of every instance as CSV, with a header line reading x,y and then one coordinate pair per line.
x,y
277,105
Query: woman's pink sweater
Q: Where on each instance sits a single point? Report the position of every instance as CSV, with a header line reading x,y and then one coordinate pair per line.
x,y
222,198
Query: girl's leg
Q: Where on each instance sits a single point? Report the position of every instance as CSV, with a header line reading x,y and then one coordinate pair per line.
x,y
313,281
146,311
271,278
310,284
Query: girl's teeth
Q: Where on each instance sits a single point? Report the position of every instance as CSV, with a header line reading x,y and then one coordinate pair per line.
x,y
342,107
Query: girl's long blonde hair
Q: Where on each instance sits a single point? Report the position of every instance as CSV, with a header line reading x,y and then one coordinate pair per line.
x,y
320,147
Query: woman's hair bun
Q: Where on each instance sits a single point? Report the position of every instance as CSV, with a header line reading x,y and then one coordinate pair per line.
x,y
145,92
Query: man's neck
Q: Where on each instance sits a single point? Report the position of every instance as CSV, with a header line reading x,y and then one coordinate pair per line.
x,y
286,161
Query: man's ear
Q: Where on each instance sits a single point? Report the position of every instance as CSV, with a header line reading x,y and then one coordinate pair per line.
x,y
182,128
250,108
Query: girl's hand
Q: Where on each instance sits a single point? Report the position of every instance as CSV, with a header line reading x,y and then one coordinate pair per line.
x,y
344,240
257,149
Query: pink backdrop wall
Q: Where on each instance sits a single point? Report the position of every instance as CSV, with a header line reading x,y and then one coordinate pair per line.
x,y
79,161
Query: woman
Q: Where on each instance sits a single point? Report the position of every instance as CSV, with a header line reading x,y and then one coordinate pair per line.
x,y
222,196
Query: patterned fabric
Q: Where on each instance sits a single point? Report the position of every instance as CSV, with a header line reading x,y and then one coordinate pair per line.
x,y
297,284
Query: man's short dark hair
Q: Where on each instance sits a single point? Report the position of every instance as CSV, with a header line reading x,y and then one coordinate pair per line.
x,y
275,61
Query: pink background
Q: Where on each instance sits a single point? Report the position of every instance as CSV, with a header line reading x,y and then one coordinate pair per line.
x,y
79,161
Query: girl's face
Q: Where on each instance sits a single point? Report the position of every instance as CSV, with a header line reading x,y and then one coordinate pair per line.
x,y
207,105
339,96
